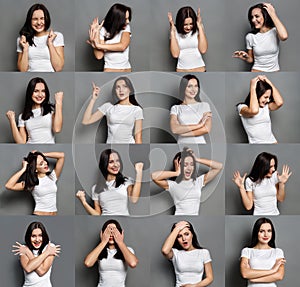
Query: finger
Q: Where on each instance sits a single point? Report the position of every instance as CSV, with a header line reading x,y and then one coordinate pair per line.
x,y
93,84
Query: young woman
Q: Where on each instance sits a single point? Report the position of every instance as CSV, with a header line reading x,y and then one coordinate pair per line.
x,y
35,177
123,117
36,256
111,194
40,120
111,38
188,40
189,259
113,256
261,262
186,190
255,111
263,41
39,50
264,186
191,118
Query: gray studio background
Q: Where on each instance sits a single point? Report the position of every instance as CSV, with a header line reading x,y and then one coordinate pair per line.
x,y
13,16
22,203
210,233
86,160
212,197
156,92
283,120
136,235
13,93
59,231
238,235
241,157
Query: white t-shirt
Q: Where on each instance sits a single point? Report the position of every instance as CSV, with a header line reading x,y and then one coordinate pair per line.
x,y
44,193
39,55
262,259
113,201
116,60
112,271
265,48
32,279
186,195
189,55
38,127
189,265
264,195
189,115
120,121
258,127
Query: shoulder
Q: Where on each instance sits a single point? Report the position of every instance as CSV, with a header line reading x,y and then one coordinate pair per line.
x,y
246,252
127,29
105,107
203,106
279,253
52,176
175,109
240,107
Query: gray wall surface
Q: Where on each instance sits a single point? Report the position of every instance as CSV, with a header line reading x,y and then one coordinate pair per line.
x,y
62,13
238,235
13,229
241,157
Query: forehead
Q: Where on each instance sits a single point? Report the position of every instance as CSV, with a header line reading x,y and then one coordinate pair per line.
x,y
184,230
36,231
256,11
272,162
111,225
188,159
127,14
188,20
39,158
39,86
266,226
121,83
113,156
193,82
38,14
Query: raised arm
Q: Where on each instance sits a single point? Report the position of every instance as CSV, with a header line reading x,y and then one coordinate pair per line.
x,y
247,197
134,191
57,120
19,135
281,30
60,159
22,63
57,56
89,117
89,209
12,183
283,178
202,40
174,47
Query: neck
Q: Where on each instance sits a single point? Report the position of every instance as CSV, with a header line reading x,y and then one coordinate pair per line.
x,y
110,177
40,34
188,101
264,29
125,102
111,246
36,106
40,175
262,246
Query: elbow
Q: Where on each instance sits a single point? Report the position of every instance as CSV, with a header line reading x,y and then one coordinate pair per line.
x,y
165,251
254,111
57,130
123,47
174,130
134,199
203,50
284,37
248,207
133,263
280,277
41,272
84,122
280,103
8,186
88,264
59,69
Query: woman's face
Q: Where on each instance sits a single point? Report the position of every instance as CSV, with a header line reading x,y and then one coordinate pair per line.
x,y
191,89
188,167
41,165
38,21
264,99
113,167
188,25
111,227
265,233
39,94
257,18
36,238
127,21
185,239
122,90
272,168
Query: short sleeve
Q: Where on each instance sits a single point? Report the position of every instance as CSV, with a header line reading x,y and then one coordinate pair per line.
x,y
127,29
59,40
21,123
175,253
95,196
104,108
102,33
239,108
174,110
19,48
249,41
206,256
245,253
200,180
138,113
171,185
206,107
129,181
131,249
249,184
274,178
53,176
279,253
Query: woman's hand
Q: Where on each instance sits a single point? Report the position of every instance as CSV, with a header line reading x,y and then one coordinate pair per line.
x,y
181,225
94,33
278,263
24,44
81,196
139,166
238,180
104,236
172,25
52,249
96,91
177,166
206,116
59,97
20,249
283,178
51,37
241,55
199,19
270,8
118,236
11,115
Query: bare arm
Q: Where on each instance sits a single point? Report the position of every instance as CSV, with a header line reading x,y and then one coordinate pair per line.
x,y
89,209
202,40
12,183
57,120
60,159
135,190
278,100
278,276
174,47
22,63
117,47
19,135
57,56
209,277
215,168
138,128
245,56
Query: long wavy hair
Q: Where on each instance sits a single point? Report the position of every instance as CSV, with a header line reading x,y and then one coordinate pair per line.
x,y
30,228
255,230
182,14
46,106
129,84
30,176
183,85
195,242
261,166
27,29
115,20
268,22
119,255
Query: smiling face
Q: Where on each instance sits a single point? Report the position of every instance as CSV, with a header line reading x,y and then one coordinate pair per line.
x,y
188,167
257,18
39,95
113,166
265,233
185,238
122,90
188,25
36,238
191,89
38,21
41,165
272,168
265,98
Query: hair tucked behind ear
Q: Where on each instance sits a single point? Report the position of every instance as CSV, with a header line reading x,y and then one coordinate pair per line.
x,y
268,22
